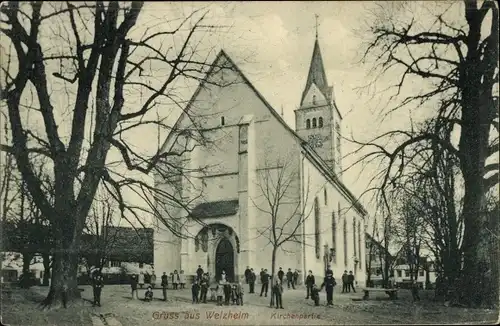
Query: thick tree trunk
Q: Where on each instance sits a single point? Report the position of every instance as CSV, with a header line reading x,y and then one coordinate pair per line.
x,y
25,274
475,286
64,286
46,267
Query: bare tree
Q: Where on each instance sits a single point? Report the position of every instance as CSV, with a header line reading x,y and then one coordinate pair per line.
x,y
99,228
451,48
278,187
88,63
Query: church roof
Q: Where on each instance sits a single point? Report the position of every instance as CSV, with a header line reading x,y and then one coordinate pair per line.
x,y
215,209
317,74
318,161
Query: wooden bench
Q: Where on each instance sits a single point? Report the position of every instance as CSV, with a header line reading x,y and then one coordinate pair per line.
x,y
393,293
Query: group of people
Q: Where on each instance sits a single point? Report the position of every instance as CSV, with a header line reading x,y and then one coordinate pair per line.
x,y
225,292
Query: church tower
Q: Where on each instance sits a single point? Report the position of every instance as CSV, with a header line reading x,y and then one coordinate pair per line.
x,y
317,120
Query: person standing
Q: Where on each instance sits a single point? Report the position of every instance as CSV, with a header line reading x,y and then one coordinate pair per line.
x,y
281,274
141,279
97,285
175,279
345,282
261,274
350,282
296,277
199,272
289,278
153,280
164,285
247,274
251,281
329,284
265,282
277,292
182,279
133,285
310,281
195,289
204,288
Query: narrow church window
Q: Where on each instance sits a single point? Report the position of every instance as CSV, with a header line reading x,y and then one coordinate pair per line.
x,y
314,122
334,237
359,243
354,239
325,194
222,121
345,242
316,227
320,122
308,124
314,99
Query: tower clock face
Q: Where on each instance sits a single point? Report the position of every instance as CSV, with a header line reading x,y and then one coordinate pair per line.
x,y
315,141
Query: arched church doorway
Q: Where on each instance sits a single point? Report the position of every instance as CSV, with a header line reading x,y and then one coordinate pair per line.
x,y
224,259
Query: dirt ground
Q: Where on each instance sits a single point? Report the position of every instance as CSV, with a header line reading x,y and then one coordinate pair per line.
x,y
119,309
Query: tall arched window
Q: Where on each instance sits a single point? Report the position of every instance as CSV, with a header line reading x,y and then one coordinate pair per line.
x,y
345,242
314,99
359,243
355,251
314,122
308,123
222,121
325,194
320,122
334,237
316,227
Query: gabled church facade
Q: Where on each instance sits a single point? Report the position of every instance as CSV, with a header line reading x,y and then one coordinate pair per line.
x,y
245,149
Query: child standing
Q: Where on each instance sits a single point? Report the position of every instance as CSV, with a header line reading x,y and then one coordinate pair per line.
x,y
315,294
220,293
175,280
182,279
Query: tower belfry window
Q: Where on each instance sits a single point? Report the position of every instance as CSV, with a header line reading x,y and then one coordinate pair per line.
x,y
320,122
308,124
222,121
314,122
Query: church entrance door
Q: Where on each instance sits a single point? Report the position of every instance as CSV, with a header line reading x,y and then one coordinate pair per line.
x,y
224,260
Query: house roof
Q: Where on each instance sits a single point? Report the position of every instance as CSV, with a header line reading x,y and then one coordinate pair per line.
x,y
215,209
310,153
123,244
378,244
317,74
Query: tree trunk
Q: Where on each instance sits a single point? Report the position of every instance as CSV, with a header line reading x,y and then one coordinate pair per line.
x,y
25,281
46,268
273,267
475,287
64,286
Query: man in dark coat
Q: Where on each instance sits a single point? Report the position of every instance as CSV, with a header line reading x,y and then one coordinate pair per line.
x,y
350,282
329,283
164,285
251,281
277,292
310,281
247,274
261,274
265,282
289,278
204,288
345,282
199,273
133,285
195,289
281,274
295,277
97,285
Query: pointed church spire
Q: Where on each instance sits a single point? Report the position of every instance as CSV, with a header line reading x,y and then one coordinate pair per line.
x,y
317,73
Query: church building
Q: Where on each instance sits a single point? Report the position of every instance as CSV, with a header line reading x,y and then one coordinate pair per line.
x,y
252,184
